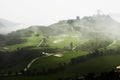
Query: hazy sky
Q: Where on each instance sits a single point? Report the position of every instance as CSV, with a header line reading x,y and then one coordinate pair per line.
x,y
44,12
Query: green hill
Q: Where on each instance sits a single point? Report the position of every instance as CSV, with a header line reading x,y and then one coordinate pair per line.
x,y
67,48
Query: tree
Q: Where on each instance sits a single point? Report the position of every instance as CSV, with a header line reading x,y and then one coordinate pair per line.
x,y
70,21
77,18
71,45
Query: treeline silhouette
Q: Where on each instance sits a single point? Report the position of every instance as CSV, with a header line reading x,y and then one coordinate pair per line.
x,y
35,72
111,75
94,54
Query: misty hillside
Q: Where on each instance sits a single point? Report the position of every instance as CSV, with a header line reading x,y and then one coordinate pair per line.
x,y
96,26
70,46
86,26
88,23
91,23
7,26
6,23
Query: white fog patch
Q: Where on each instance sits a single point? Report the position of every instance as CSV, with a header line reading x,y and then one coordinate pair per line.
x,y
64,35
57,41
114,30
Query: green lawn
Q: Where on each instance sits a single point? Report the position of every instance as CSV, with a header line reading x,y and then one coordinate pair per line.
x,y
100,64
104,63
43,62
62,41
52,61
97,65
31,41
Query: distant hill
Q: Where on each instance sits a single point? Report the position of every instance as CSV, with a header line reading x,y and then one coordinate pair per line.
x,y
9,26
7,23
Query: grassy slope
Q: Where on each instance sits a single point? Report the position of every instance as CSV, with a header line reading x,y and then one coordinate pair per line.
x,y
97,65
43,62
65,40
53,61
31,41
104,63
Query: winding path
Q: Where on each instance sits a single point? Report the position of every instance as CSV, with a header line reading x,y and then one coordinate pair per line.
x,y
35,59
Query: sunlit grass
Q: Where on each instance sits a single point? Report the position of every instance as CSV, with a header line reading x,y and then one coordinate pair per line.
x,y
31,41
97,65
62,41
52,61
